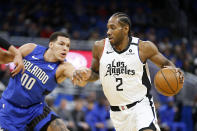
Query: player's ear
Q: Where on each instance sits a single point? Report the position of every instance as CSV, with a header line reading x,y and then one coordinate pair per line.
x,y
126,28
50,44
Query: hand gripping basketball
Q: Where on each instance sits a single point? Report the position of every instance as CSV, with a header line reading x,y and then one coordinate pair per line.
x,y
169,81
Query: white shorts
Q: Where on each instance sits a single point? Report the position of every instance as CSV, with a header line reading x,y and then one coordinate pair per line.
x,y
141,116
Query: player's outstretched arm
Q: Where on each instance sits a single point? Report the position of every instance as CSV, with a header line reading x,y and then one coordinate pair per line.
x,y
12,54
148,50
4,44
94,70
23,51
18,60
67,70
80,76
5,57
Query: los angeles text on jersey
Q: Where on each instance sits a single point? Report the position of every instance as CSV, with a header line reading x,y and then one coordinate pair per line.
x,y
117,68
36,71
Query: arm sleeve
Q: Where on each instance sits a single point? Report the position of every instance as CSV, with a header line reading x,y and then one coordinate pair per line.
x,y
4,44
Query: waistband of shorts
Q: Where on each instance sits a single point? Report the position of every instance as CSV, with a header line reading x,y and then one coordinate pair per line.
x,y
121,108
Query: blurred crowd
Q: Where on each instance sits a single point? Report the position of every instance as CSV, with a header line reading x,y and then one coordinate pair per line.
x,y
83,113
87,19
170,24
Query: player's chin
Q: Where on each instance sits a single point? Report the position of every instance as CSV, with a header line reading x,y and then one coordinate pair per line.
x,y
62,59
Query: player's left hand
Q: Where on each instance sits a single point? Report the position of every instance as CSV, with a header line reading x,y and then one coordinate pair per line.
x,y
178,72
18,61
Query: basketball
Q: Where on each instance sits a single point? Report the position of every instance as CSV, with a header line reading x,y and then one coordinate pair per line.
x,y
167,82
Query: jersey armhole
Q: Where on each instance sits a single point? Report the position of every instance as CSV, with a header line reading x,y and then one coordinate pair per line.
x,y
55,70
102,50
103,47
139,52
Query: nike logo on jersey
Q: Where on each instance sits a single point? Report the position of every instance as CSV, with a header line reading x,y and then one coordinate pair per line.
x,y
51,67
108,52
35,57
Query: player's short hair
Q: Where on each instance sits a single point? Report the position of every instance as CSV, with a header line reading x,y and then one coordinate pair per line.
x,y
53,36
123,19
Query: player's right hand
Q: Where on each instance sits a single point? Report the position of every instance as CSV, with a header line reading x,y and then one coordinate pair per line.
x,y
18,61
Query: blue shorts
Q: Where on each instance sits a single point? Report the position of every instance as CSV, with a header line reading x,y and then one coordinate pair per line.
x,y
33,118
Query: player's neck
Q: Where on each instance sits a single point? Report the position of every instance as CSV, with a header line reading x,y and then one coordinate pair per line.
x,y
122,44
49,56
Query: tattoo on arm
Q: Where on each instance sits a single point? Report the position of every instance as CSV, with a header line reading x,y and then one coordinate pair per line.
x,y
96,53
167,63
57,125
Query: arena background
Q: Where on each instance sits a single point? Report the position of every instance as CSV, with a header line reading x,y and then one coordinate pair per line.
x,y
170,24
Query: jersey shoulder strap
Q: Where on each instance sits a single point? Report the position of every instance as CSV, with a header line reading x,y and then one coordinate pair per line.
x,y
38,51
135,41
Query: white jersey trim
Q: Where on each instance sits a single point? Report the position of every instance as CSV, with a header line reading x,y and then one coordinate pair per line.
x,y
135,40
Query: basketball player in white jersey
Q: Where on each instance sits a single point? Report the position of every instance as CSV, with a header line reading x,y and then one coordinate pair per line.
x,y
120,63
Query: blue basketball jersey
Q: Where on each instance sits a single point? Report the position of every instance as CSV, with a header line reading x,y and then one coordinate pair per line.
x,y
38,80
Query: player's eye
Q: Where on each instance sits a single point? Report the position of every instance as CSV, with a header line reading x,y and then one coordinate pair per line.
x,y
113,27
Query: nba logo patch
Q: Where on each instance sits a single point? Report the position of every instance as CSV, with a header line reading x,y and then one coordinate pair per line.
x,y
122,107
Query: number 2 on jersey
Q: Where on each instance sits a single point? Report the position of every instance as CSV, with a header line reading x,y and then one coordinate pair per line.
x,y
119,81
27,82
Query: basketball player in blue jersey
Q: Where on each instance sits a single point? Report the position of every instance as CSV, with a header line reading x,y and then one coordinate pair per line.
x,y
120,63
22,106
11,50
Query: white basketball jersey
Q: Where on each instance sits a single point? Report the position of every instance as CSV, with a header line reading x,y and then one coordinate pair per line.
x,y
125,79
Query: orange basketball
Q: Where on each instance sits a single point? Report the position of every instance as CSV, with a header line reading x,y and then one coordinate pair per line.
x,y
167,82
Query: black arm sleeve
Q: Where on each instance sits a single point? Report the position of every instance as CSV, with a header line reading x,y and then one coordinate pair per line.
x,y
4,44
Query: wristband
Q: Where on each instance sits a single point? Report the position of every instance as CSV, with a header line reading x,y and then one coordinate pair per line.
x,y
4,44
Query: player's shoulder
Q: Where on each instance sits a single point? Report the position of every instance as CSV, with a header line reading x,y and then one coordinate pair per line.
x,y
29,45
99,45
147,49
146,44
27,48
